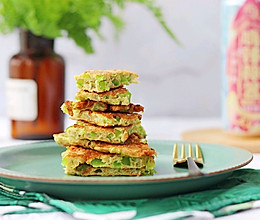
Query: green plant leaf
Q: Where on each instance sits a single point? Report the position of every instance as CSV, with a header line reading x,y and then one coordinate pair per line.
x,y
70,18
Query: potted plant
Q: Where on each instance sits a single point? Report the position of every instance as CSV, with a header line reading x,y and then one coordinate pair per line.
x,y
36,84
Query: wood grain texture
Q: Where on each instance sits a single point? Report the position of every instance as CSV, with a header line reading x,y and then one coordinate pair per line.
x,y
218,136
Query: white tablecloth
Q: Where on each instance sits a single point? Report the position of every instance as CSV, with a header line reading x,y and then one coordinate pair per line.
x,y
165,128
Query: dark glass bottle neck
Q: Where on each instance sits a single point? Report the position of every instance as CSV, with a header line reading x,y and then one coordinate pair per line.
x,y
32,44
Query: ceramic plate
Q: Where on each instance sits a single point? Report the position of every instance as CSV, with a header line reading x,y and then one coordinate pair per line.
x,y
36,167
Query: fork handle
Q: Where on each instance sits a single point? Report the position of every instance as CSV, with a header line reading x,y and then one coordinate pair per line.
x,y
193,168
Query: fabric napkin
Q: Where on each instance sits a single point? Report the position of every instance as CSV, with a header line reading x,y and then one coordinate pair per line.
x,y
240,191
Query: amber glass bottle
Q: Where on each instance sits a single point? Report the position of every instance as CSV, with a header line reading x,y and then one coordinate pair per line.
x,y
35,89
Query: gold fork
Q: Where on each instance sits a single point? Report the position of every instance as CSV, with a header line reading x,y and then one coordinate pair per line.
x,y
191,162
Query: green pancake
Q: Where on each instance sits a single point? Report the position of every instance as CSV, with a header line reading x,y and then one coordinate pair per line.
x,y
119,96
104,80
133,147
83,130
85,162
87,170
75,155
104,119
69,107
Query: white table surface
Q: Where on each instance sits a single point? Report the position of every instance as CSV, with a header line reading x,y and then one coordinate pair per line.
x,y
164,128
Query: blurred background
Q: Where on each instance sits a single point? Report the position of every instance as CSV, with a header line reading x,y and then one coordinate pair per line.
x,y
174,80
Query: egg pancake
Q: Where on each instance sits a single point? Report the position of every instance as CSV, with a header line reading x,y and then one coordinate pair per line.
x,y
75,155
120,134
88,170
133,147
104,119
86,162
119,96
104,80
69,106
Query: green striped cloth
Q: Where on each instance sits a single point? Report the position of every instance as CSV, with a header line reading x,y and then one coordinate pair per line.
x,y
238,192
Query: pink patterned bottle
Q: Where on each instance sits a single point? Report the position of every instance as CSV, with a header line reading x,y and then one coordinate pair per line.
x,y
242,72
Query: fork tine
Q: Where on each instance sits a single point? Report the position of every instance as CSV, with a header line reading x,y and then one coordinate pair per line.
x,y
183,153
191,151
175,153
199,154
182,162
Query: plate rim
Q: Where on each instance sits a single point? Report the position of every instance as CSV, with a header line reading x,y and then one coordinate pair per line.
x,y
110,180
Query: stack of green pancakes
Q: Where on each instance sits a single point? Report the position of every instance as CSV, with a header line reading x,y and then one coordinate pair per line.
x,y
107,138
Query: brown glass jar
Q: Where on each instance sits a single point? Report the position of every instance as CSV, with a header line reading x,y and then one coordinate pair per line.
x,y
35,89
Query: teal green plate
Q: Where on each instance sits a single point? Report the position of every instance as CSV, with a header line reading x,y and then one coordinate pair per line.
x,y
36,167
